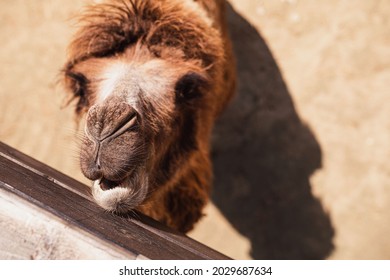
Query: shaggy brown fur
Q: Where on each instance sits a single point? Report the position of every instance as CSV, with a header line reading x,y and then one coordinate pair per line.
x,y
147,139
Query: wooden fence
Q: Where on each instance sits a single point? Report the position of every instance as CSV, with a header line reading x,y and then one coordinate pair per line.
x,y
45,214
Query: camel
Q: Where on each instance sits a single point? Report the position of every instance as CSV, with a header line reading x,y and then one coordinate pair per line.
x,y
150,77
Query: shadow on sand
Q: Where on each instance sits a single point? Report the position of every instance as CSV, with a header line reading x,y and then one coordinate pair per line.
x,y
263,158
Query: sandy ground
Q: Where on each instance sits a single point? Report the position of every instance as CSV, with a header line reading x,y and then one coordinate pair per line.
x,y
300,156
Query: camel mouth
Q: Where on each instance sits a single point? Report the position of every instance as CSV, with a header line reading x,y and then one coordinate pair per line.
x,y
123,195
106,184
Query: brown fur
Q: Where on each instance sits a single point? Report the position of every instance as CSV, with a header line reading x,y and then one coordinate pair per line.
x,y
170,134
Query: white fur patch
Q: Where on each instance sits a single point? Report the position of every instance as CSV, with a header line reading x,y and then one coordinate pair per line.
x,y
110,79
153,79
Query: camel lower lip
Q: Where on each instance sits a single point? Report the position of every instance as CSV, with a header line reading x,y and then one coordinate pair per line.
x,y
106,184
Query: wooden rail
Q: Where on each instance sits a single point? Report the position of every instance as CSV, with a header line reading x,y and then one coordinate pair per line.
x,y
45,214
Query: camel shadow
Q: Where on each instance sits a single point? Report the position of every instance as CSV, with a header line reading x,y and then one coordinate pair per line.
x,y
263,158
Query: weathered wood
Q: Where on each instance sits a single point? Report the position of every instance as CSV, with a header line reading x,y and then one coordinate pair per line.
x,y
29,232
69,201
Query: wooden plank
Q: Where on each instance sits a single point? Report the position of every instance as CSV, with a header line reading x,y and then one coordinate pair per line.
x,y
29,232
69,200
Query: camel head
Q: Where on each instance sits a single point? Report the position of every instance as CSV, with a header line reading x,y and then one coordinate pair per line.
x,y
144,90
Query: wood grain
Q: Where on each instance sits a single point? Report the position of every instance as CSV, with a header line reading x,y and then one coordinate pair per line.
x,y
69,201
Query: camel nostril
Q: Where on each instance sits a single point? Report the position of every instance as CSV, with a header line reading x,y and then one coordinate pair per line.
x,y
109,119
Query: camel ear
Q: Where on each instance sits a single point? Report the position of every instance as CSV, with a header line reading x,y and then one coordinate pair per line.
x,y
190,86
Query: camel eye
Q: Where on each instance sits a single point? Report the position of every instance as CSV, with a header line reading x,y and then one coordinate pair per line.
x,y
78,83
189,87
